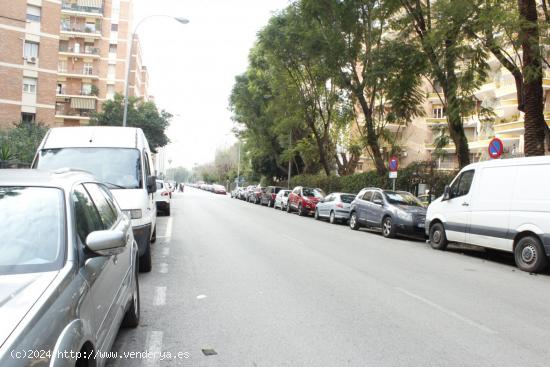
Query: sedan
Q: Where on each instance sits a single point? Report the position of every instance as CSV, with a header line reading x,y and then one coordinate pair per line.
x,y
394,212
69,269
335,207
219,189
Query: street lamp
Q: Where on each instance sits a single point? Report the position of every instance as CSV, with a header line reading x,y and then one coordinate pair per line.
x,y
129,58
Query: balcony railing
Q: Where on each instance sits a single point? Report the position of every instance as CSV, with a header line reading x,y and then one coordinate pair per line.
x,y
68,92
83,72
81,51
81,9
80,28
68,111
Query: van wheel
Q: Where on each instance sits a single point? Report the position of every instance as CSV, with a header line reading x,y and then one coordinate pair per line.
x,y
145,263
131,318
530,255
353,223
438,239
388,229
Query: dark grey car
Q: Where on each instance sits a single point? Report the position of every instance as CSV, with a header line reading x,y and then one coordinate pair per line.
x,y
394,212
68,270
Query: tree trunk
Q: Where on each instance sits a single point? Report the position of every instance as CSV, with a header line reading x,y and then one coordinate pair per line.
x,y
532,78
372,139
454,120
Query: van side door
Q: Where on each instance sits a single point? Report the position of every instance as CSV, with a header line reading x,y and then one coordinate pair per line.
x,y
457,207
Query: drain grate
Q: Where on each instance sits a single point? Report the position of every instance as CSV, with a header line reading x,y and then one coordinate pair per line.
x,y
209,352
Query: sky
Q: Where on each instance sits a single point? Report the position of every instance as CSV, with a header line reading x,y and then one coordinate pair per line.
x,y
192,67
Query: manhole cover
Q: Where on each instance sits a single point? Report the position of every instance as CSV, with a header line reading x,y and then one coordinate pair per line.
x,y
209,352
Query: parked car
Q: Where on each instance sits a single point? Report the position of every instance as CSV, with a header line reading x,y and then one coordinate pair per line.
x,y
120,158
335,207
246,192
394,212
163,197
268,195
304,200
219,189
235,192
499,204
68,270
281,199
255,194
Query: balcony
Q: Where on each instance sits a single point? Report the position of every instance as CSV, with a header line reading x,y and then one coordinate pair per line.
x,y
80,30
65,92
78,73
89,8
436,121
434,97
81,52
66,112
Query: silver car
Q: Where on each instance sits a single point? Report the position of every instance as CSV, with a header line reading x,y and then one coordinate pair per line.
x,y
335,207
281,199
68,269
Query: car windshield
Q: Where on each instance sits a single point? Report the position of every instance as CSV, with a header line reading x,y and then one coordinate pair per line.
x,y
313,193
124,172
347,199
32,229
402,198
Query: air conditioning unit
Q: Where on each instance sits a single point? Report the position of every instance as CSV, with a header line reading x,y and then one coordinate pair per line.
x,y
31,60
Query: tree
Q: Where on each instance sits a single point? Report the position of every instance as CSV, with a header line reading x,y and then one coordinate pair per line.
x,y
440,31
144,115
178,174
21,141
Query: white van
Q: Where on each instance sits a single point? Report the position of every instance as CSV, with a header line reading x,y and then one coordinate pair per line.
x,y
119,157
499,204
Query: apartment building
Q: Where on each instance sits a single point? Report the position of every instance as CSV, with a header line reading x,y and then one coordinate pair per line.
x,y
60,60
29,42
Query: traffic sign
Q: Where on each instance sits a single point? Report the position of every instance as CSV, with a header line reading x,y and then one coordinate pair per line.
x,y
394,164
496,148
393,174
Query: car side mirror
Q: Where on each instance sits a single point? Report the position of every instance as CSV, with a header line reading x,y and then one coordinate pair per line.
x,y
106,243
446,193
151,184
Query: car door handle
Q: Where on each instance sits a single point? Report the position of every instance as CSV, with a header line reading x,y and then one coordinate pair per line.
x,y
465,204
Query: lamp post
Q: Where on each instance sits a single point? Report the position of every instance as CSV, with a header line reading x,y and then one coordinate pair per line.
x,y
129,59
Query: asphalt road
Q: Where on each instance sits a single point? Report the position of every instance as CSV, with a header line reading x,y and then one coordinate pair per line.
x,y
260,287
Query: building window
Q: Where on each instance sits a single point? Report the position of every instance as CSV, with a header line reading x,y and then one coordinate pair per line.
x,y
438,112
30,51
88,69
111,71
114,27
112,48
33,13
62,66
29,85
110,91
86,89
28,118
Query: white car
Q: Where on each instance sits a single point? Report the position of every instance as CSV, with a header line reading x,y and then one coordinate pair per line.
x,y
501,204
163,196
281,200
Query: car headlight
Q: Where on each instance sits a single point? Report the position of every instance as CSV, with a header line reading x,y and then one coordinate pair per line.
x,y
133,213
404,215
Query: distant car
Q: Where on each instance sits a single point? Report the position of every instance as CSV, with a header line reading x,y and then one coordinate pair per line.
x,y
304,200
281,199
335,207
246,192
394,212
163,197
268,195
255,194
426,199
68,270
219,189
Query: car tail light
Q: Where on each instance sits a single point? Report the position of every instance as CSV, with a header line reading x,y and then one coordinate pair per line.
x,y
165,193
339,205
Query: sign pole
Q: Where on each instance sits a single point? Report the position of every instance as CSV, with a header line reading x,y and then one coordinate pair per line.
x,y
393,181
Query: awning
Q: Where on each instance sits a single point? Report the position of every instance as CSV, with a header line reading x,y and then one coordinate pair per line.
x,y
90,3
83,103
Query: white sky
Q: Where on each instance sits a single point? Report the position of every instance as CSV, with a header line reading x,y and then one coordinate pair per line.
x,y
192,67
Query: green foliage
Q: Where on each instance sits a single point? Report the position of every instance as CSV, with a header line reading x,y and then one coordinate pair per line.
x,y
144,115
20,142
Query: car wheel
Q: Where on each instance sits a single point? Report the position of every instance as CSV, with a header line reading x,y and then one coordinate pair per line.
x,y
300,210
154,236
131,318
530,255
269,204
388,229
145,263
288,208
316,215
167,212
438,238
353,223
332,218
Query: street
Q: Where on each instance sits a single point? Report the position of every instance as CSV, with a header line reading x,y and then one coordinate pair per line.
x,y
254,286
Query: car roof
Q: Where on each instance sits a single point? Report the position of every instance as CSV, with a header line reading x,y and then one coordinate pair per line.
x,y
509,162
94,137
61,178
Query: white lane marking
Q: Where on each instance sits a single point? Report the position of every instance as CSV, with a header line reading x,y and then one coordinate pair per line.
x,y
447,311
163,268
159,299
166,251
201,296
154,347
168,232
291,238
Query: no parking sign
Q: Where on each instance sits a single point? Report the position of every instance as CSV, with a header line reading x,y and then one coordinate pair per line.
x,y
496,148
